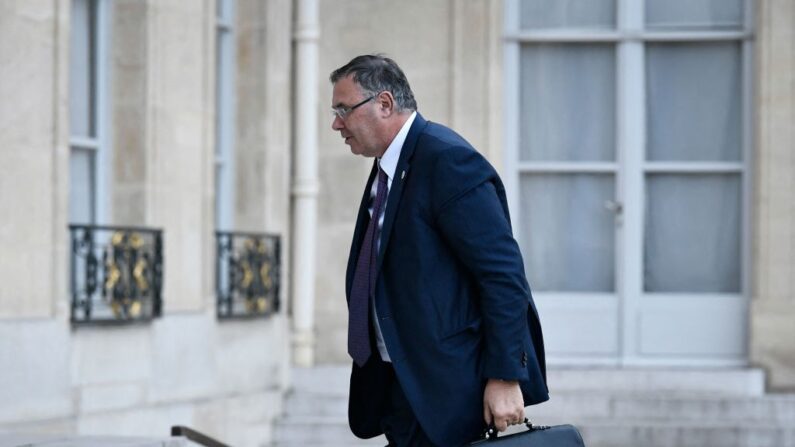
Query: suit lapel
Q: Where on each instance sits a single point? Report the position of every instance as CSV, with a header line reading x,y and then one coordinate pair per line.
x,y
362,219
401,175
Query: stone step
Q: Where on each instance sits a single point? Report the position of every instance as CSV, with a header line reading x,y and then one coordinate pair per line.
x,y
779,409
696,434
612,407
772,409
627,422
300,404
319,431
334,379
322,379
329,432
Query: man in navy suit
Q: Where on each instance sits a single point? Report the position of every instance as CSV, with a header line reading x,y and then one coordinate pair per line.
x,y
443,331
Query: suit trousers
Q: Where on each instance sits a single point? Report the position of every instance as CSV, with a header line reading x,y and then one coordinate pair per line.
x,y
398,422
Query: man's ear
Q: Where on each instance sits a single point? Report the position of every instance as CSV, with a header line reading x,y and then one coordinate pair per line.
x,y
386,103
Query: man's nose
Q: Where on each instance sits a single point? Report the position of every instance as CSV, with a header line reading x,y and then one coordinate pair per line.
x,y
337,123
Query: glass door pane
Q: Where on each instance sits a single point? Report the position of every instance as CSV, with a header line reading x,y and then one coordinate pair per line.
x,y
692,233
568,13
82,186
694,14
694,108
564,114
81,69
568,234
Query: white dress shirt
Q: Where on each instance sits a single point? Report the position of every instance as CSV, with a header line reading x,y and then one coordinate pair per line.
x,y
388,163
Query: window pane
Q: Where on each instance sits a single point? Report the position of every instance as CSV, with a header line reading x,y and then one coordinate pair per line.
x,y
220,197
694,14
568,13
567,233
224,117
692,233
81,88
220,91
566,115
693,101
81,186
223,9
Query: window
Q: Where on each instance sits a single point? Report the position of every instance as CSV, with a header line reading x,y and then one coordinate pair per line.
x,y
225,103
115,272
628,142
87,93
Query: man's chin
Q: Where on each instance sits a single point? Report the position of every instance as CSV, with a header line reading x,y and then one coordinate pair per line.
x,y
358,150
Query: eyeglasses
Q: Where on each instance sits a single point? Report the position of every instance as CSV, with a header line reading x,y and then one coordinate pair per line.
x,y
343,111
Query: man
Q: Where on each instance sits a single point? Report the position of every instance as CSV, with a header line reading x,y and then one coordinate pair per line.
x,y
442,327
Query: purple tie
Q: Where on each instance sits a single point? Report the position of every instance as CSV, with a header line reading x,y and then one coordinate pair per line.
x,y
364,282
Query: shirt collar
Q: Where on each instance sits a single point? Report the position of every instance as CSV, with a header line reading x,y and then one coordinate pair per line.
x,y
389,160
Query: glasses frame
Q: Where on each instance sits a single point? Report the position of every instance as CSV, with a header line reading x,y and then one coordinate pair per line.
x,y
343,111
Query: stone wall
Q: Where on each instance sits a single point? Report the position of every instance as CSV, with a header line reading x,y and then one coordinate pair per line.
x,y
32,156
773,303
129,102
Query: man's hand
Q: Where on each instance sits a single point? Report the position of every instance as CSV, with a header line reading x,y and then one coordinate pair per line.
x,y
503,404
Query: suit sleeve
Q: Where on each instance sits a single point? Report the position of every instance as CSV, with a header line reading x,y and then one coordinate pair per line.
x,y
472,219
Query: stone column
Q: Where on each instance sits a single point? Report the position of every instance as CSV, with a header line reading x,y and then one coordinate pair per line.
x,y
305,181
773,301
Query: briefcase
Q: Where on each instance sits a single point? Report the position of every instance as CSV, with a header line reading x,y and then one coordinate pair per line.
x,y
535,436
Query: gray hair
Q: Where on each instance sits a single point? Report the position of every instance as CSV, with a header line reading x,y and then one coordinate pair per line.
x,y
376,73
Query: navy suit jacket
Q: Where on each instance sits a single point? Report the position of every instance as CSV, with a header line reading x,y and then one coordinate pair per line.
x,y
451,296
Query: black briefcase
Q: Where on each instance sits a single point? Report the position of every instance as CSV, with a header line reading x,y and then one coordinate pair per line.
x,y
535,436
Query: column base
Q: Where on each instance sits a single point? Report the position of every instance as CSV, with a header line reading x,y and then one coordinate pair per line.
x,y
303,348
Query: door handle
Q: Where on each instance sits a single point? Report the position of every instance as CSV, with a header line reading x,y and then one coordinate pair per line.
x,y
614,206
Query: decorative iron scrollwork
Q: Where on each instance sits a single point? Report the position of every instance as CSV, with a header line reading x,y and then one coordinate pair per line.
x,y
247,274
116,274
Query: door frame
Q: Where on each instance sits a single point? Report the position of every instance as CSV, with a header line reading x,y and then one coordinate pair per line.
x,y
629,305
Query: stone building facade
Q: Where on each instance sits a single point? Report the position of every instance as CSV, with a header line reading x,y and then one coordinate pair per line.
x,y
152,76
199,122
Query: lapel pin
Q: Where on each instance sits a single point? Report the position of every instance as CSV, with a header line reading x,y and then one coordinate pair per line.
x,y
403,175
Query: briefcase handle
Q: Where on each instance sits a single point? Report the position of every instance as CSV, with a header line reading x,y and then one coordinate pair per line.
x,y
490,432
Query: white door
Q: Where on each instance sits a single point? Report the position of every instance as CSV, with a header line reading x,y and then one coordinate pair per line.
x,y
627,160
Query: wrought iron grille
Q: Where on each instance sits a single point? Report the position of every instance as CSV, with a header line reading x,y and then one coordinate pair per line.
x,y
116,274
247,274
